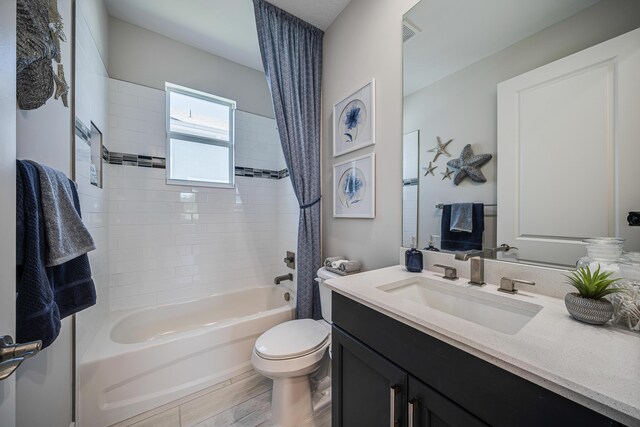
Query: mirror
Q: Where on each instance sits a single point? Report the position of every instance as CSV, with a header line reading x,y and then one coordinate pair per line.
x,y
467,67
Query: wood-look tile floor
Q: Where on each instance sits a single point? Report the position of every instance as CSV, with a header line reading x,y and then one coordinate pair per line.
x,y
244,401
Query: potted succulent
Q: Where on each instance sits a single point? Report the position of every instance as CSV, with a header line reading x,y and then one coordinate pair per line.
x,y
588,304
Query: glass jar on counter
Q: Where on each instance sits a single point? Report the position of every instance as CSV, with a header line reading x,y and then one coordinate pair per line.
x,y
626,305
605,252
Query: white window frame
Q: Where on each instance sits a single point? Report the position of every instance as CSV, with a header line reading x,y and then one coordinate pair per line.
x,y
169,88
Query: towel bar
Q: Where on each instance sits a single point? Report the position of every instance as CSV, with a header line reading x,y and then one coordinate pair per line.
x,y
441,205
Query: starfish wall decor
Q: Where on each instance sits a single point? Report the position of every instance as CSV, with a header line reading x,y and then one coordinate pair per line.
x,y
446,174
440,148
429,169
469,165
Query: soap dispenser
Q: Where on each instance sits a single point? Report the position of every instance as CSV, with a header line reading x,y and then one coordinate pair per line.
x,y
413,258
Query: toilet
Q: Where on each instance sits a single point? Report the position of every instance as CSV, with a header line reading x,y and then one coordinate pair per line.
x,y
290,354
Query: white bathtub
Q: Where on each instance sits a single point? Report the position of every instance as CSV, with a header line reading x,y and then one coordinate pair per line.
x,y
141,359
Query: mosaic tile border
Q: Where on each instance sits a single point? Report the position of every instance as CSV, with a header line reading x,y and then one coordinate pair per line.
x,y
142,161
261,173
138,160
410,182
83,131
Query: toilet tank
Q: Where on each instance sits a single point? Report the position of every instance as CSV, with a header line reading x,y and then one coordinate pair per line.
x,y
325,292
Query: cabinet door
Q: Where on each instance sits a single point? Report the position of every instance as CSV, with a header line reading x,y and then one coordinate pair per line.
x,y
428,408
367,389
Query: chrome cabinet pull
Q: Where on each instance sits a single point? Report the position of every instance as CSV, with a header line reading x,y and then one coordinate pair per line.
x,y
412,408
393,392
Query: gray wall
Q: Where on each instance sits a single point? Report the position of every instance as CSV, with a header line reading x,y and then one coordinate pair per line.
x,y
463,105
365,41
143,57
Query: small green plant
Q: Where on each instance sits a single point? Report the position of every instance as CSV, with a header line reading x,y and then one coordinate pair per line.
x,y
592,285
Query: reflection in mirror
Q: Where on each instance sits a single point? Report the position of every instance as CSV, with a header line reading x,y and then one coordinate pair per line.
x,y
410,144
95,169
453,64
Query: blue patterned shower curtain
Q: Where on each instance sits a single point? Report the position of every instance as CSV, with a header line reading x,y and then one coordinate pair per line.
x,y
292,57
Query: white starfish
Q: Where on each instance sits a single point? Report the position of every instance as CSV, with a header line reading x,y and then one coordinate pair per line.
x,y
440,148
429,169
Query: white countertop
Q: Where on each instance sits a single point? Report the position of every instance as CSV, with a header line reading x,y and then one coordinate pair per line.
x,y
596,366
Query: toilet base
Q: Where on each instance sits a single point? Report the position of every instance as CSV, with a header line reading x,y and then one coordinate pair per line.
x,y
291,401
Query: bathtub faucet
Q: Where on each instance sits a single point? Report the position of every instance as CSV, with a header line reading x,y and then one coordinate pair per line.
x,y
279,279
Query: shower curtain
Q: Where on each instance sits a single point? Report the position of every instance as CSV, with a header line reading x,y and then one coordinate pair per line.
x,y
291,52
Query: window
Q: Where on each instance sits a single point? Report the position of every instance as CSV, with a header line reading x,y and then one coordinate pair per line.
x,y
200,138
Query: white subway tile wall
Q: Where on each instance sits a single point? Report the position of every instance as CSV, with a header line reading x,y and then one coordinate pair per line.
x,y
92,95
257,142
137,121
169,243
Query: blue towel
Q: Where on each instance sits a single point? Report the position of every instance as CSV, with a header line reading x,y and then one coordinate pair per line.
x,y
44,296
462,217
37,315
462,241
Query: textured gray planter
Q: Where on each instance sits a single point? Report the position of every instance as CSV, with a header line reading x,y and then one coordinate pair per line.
x,y
593,311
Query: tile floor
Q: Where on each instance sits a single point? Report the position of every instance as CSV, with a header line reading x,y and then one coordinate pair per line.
x,y
244,401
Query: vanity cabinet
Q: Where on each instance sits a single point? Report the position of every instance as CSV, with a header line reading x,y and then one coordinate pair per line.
x,y
386,373
372,390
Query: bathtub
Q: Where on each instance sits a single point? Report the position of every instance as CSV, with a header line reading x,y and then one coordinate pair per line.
x,y
144,358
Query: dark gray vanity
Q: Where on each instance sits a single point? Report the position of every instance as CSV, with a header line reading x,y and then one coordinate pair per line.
x,y
388,373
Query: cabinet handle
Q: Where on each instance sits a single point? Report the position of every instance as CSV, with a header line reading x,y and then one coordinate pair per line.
x,y
412,408
393,391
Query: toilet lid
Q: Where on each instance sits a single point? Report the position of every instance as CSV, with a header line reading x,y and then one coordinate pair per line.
x,y
291,339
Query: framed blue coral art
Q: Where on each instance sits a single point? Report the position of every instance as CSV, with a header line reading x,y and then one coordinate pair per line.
x,y
354,188
354,120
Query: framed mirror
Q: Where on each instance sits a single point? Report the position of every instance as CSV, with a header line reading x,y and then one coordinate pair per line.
x,y
472,76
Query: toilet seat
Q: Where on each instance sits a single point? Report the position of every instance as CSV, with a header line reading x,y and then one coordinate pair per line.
x,y
291,340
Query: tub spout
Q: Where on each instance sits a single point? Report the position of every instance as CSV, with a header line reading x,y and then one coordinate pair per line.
x,y
279,279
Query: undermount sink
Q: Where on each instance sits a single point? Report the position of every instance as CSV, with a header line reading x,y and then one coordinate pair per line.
x,y
500,313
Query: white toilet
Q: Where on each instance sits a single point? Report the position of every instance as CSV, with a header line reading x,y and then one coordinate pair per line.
x,y
290,353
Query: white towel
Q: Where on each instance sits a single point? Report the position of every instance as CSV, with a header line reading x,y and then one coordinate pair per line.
x,y
337,264
350,266
329,260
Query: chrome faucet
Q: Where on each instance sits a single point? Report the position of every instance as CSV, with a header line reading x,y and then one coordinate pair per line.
x,y
450,273
279,279
476,266
502,248
508,285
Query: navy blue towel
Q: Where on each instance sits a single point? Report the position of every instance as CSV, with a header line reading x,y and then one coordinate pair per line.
x,y
44,295
461,240
37,315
